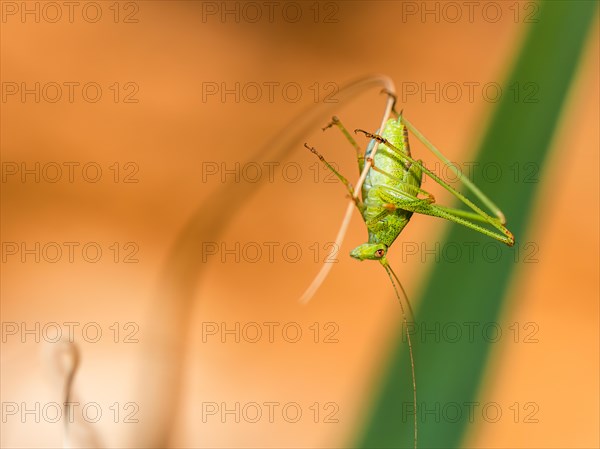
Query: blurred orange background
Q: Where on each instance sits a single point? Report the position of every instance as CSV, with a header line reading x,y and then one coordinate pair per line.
x,y
155,132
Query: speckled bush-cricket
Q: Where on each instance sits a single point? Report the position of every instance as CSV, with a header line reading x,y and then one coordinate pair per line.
x,y
390,188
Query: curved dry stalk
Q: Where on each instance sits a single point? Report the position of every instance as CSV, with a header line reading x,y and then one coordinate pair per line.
x,y
339,239
183,267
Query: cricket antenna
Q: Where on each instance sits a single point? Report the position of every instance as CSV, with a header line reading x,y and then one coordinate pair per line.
x,y
391,273
326,268
410,310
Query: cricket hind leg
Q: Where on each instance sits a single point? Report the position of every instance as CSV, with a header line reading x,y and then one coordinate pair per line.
x,y
496,222
405,201
492,207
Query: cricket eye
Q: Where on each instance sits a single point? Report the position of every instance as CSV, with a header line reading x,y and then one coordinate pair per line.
x,y
379,253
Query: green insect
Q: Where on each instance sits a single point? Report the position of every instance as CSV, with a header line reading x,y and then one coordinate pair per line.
x,y
391,193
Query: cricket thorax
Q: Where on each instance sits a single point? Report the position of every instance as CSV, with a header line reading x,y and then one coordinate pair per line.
x,y
387,229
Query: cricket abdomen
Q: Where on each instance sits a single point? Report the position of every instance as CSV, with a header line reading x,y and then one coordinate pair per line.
x,y
381,191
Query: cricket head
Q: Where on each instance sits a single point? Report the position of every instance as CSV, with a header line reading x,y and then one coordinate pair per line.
x,y
369,251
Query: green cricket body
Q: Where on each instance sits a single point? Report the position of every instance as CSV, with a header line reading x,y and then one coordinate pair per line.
x,y
385,221
391,193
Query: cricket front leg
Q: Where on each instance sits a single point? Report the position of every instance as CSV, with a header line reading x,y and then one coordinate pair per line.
x,y
349,187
